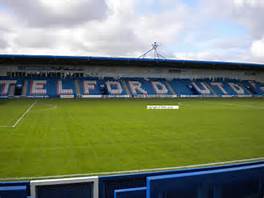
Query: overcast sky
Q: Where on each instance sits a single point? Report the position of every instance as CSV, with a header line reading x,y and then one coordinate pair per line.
x,y
229,30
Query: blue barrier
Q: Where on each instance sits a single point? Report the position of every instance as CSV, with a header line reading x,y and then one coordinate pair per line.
x,y
76,190
108,184
130,193
240,182
13,192
243,180
17,183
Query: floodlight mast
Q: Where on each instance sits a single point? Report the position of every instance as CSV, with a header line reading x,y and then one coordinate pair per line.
x,y
154,49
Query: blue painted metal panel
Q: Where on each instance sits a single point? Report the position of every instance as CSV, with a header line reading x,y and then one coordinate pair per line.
x,y
131,193
13,192
108,184
240,182
17,183
76,190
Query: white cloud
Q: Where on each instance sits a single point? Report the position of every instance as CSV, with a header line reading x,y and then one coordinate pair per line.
x,y
251,3
3,43
257,49
43,13
216,55
119,28
248,14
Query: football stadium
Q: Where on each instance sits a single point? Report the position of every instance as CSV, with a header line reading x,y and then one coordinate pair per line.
x,y
89,127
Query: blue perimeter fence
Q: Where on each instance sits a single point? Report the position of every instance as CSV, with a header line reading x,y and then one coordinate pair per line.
x,y
240,180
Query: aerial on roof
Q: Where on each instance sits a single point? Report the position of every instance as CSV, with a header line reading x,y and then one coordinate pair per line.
x,y
9,59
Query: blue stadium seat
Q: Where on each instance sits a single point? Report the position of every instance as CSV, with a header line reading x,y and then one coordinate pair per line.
x,y
181,87
133,86
144,85
96,90
163,82
202,87
111,81
256,88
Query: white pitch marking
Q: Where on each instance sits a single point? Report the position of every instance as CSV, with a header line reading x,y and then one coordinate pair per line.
x,y
244,105
21,117
24,114
140,170
48,107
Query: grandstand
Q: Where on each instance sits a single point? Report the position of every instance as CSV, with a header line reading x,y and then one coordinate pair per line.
x,y
236,171
90,77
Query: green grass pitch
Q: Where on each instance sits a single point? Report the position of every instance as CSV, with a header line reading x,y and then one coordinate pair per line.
x,y
60,137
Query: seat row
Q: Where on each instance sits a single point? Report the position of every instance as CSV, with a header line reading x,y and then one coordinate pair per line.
x,y
128,87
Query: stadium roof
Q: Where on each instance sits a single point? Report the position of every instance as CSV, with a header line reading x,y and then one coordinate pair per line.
x,y
8,59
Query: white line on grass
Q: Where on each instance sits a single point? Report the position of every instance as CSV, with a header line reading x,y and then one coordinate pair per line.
x,y
4,126
139,171
21,117
24,114
48,107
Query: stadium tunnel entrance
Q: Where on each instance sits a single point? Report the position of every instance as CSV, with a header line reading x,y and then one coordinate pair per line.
x,y
18,90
